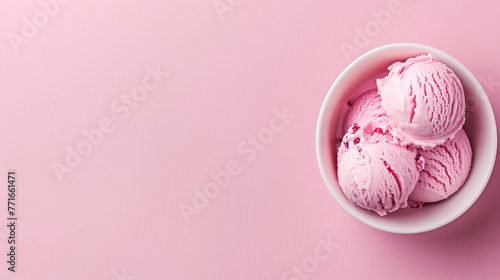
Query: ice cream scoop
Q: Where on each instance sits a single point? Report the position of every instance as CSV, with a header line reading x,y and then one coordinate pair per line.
x,y
444,169
425,99
374,172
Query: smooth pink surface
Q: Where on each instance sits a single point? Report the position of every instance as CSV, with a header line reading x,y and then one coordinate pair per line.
x,y
240,104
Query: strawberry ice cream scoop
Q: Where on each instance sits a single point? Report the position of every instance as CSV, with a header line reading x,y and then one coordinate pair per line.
x,y
443,169
425,99
373,171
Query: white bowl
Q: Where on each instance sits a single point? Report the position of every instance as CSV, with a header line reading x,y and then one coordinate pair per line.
x,y
480,127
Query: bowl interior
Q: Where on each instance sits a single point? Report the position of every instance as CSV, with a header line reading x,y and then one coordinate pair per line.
x,y
480,127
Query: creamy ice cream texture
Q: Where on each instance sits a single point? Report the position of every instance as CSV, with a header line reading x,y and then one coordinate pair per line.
x,y
374,172
444,169
366,107
404,143
425,99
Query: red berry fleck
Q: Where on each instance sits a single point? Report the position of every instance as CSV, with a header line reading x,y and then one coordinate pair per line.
x,y
420,161
355,127
356,141
378,130
346,145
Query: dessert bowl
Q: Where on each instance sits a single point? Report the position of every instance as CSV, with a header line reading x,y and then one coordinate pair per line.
x,y
480,127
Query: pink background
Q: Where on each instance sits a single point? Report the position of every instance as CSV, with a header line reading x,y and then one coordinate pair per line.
x,y
116,215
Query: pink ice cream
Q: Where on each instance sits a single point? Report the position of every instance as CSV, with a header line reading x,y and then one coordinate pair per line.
x,y
368,106
373,171
425,99
444,169
404,144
